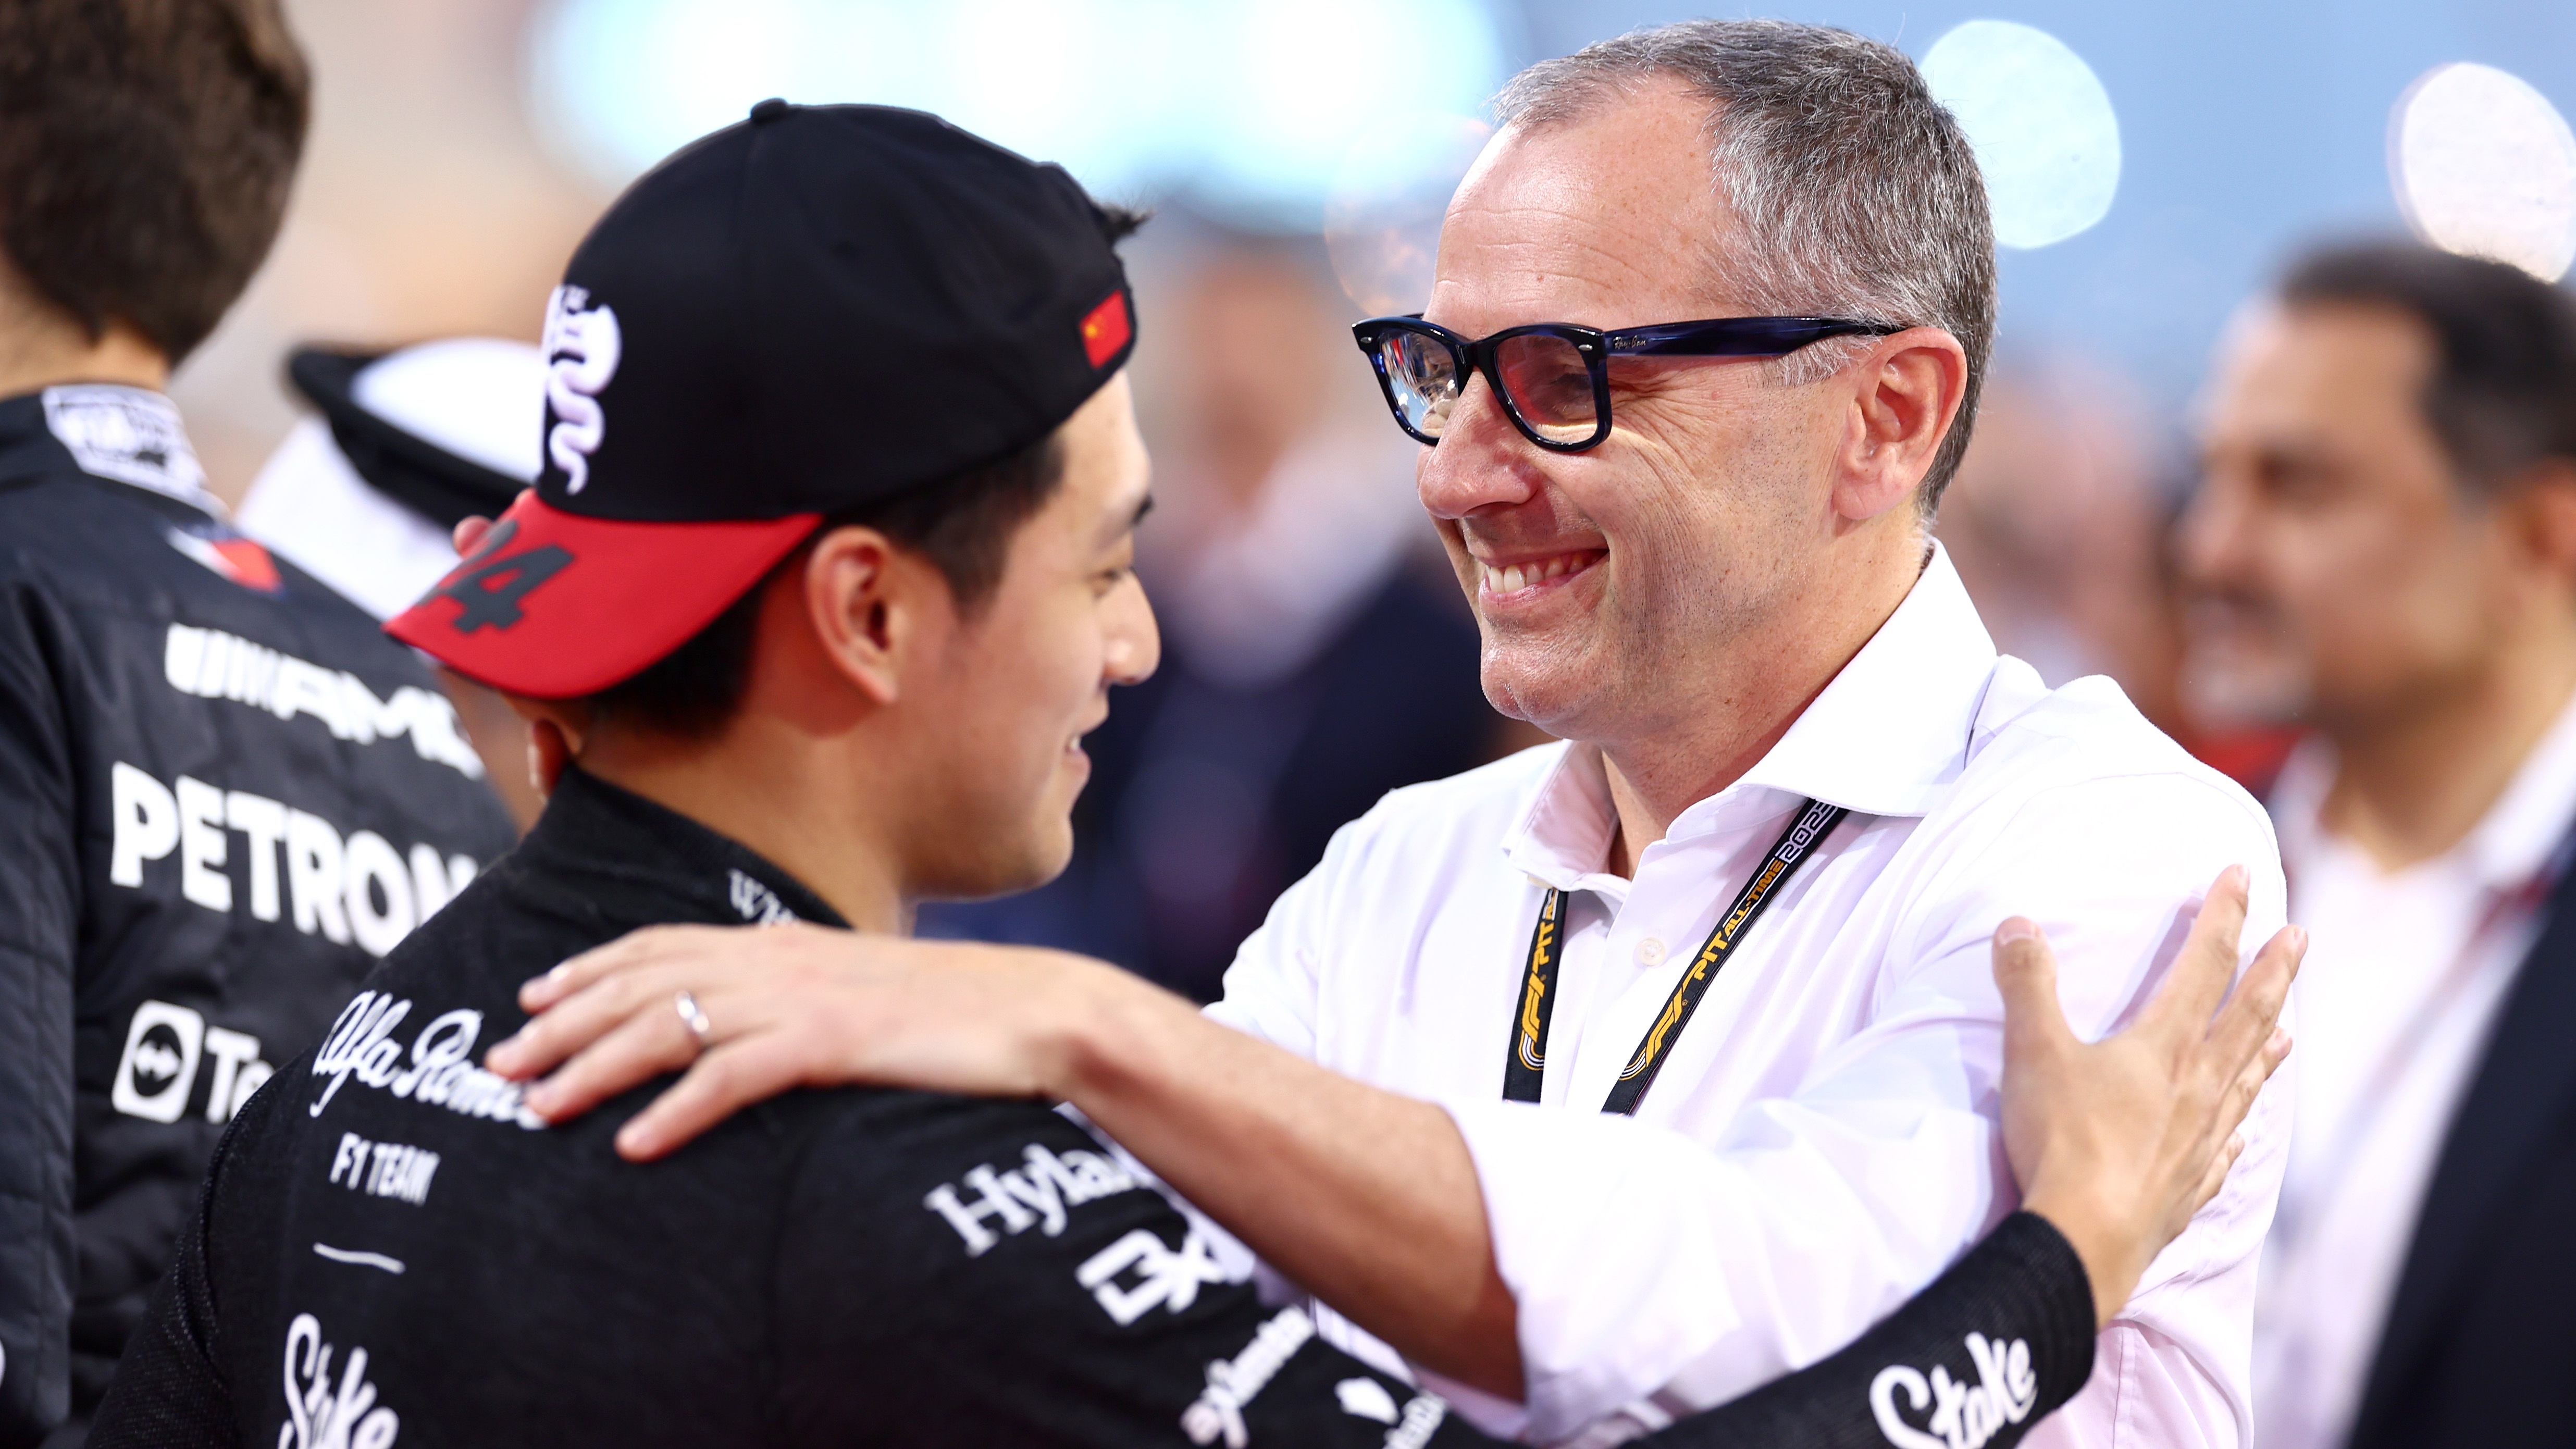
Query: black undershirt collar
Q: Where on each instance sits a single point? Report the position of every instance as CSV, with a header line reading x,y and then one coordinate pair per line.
x,y
636,863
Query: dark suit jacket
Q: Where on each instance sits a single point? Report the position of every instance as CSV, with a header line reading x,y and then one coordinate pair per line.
x,y
2480,1344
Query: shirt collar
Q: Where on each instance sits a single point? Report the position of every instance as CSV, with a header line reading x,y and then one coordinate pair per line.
x,y
2529,822
1563,838
1890,734
636,863
2506,850
129,435
1887,736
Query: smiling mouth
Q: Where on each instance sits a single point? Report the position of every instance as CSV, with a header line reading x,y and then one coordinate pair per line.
x,y
1532,573
1073,743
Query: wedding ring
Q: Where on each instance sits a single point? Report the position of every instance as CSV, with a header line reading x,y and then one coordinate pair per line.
x,y
694,1017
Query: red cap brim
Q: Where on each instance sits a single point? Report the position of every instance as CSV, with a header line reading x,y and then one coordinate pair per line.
x,y
554,605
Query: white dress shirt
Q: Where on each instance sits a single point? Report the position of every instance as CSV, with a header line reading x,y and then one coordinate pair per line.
x,y
2404,973
1822,1141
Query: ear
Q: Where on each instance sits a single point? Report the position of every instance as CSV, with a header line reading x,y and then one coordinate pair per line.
x,y
2542,504
873,608
557,729
1908,388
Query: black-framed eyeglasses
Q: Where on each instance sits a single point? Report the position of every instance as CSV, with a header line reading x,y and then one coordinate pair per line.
x,y
1554,377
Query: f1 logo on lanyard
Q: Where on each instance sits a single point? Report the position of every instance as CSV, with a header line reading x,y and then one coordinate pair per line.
x,y
1526,1067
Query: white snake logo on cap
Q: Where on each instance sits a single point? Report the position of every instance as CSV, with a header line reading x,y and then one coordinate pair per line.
x,y
581,350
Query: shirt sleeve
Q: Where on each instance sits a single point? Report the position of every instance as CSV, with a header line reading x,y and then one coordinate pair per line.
x,y
39,923
1994,1346
1272,988
1024,1288
1648,1264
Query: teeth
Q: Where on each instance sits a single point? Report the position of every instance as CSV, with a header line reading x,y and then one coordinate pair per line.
x,y
1520,576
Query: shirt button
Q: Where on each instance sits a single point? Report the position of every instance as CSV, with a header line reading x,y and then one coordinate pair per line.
x,y
1650,952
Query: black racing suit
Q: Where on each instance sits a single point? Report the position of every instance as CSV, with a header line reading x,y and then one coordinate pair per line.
x,y
223,795
392,1249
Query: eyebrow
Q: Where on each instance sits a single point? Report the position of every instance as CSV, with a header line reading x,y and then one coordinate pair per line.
x,y
1117,528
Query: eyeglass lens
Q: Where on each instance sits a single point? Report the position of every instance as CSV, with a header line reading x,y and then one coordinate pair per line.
x,y
1423,376
1546,378
1549,386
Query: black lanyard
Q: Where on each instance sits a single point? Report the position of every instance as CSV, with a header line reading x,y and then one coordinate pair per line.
x,y
1527,1065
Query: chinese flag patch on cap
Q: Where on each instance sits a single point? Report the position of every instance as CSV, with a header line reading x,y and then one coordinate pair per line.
x,y
1106,330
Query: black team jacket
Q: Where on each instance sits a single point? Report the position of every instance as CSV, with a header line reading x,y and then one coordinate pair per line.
x,y
392,1250
223,796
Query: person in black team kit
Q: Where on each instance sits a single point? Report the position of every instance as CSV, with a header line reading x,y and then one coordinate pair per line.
x,y
825,579
223,793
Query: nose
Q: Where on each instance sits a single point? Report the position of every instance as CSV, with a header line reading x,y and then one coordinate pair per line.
x,y
2209,542
1134,644
1482,460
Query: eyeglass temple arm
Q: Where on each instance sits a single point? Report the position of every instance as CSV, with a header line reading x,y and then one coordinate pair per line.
x,y
1738,337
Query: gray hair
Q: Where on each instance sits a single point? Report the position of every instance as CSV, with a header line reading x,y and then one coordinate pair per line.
x,y
1856,191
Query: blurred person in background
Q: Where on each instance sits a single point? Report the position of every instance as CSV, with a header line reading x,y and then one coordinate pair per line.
x,y
367,495
2053,522
223,793
2385,552
1311,662
2063,534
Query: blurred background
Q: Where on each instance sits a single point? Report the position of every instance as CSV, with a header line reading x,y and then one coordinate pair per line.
x,y
2151,165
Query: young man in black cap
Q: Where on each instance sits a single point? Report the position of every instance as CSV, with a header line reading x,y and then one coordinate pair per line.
x,y
825,579
223,793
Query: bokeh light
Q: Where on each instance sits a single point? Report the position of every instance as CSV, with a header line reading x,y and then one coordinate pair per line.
x,y
2484,165
1247,110
1382,215
2043,128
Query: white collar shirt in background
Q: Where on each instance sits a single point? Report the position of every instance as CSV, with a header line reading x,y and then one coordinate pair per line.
x,y
2404,973
1822,1141
310,505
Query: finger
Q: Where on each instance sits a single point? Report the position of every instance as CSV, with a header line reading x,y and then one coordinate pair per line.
x,y
2026,974
583,1018
635,948
2227,1120
2249,1082
2207,963
2247,1022
730,1077
2214,1179
641,1048
2238,1099
549,752
2276,1051
469,532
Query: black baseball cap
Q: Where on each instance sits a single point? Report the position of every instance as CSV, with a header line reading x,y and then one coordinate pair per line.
x,y
820,307
432,480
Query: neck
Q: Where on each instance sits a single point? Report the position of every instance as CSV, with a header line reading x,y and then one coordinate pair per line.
x,y
767,788
2412,782
1761,680
40,348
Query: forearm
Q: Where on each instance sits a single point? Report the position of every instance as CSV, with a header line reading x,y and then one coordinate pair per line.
x,y
1367,1199
2021,1294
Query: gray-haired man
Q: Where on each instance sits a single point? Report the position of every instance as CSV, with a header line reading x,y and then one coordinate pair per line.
x,y
1710,318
